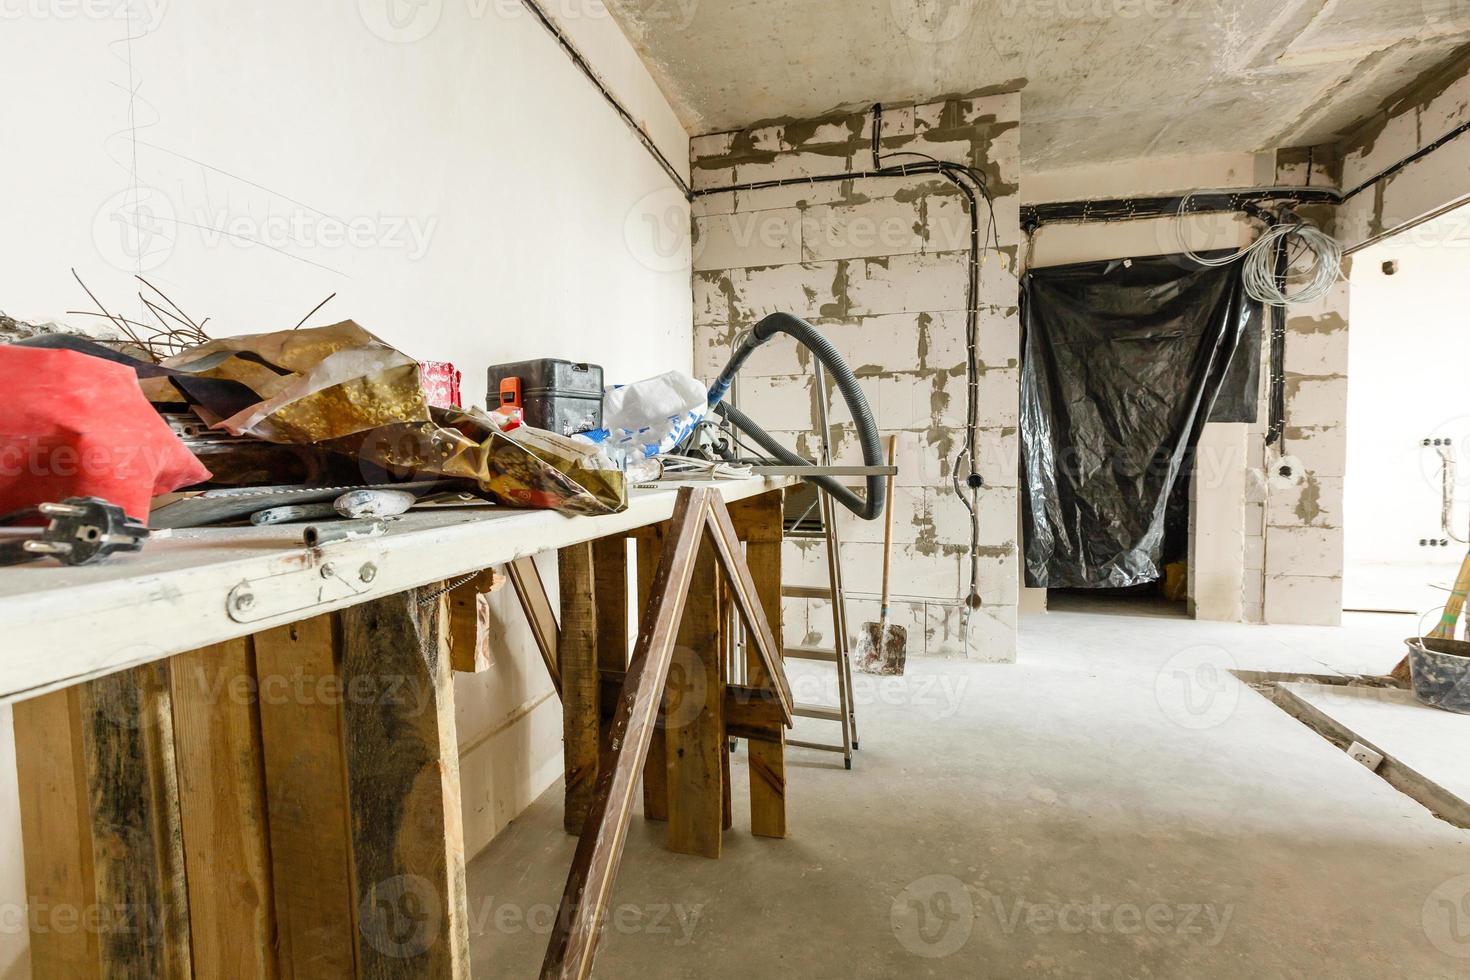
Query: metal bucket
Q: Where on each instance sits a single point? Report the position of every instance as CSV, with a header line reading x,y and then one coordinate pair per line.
x,y
1441,672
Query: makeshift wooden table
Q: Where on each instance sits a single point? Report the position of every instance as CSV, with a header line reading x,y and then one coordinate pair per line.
x,y
237,754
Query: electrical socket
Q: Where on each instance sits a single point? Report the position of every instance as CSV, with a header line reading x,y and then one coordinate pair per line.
x,y
1368,757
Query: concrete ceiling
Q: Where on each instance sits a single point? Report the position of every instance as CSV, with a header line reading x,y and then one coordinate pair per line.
x,y
1103,80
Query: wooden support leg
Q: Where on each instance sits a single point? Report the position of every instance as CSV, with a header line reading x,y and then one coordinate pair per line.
x,y
56,832
655,770
694,727
578,927
610,558
610,575
137,838
221,783
299,672
726,645
580,694
403,775
760,522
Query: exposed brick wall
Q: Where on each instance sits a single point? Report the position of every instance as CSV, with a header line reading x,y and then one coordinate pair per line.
x,y
1294,543
879,264
1294,534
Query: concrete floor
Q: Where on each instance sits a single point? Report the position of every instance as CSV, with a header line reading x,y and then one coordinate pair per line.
x,y
1115,805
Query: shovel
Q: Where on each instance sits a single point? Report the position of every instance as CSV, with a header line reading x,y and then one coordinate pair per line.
x,y
882,647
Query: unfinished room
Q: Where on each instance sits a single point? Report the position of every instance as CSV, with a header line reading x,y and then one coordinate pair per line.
x,y
735,489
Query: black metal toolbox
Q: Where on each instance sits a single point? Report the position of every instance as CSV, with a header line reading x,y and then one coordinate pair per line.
x,y
561,396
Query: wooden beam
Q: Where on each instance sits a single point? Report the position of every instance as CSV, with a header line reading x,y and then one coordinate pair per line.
x,y
694,728
222,805
745,706
761,521
525,578
56,833
403,777
469,622
757,625
573,945
577,655
655,770
299,671
610,563
137,836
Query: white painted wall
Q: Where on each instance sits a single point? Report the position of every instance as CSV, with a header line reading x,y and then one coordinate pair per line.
x,y
493,208
1407,350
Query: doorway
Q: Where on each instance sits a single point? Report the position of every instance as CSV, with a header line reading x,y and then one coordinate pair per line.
x,y
1406,509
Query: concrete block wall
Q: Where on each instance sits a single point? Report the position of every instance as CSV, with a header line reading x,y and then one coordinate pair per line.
x,y
880,266
1293,557
1421,115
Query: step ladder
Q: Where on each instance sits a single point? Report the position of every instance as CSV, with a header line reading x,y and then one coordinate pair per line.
x,y
806,527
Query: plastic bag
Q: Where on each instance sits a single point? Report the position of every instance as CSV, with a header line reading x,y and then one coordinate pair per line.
x,y
653,416
1121,366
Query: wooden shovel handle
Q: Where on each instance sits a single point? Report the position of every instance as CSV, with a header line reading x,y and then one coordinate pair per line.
x,y
888,523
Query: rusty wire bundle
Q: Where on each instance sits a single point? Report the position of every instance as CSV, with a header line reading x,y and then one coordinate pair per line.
x,y
174,333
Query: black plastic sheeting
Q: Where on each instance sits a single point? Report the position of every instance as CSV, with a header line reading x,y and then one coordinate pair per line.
x,y
1121,367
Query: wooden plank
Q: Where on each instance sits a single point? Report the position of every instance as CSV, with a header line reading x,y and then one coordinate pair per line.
x,y
725,620
56,834
221,783
578,926
469,622
525,578
745,707
610,561
403,778
761,523
137,837
694,728
757,625
299,672
64,625
580,695
655,770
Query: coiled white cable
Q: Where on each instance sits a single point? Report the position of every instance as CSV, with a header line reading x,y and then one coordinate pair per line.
x,y
1259,273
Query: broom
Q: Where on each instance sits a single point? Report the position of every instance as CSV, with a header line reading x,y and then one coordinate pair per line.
x,y
882,646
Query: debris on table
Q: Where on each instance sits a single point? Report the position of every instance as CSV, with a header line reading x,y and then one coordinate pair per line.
x,y
72,425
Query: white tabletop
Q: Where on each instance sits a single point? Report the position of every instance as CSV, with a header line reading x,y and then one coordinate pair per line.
x,y
193,588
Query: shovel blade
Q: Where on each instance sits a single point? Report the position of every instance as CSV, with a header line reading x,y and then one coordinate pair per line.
x,y
882,651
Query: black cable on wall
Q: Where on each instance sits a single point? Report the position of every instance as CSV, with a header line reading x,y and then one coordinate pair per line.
x,y
586,69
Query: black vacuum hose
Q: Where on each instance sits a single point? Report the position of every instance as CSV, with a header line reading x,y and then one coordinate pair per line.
x,y
868,507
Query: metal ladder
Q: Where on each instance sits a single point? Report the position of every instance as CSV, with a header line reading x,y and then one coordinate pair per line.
x,y
843,712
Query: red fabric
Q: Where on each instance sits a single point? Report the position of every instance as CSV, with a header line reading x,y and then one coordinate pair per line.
x,y
78,426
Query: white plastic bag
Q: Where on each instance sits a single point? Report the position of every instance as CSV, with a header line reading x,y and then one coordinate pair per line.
x,y
651,417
